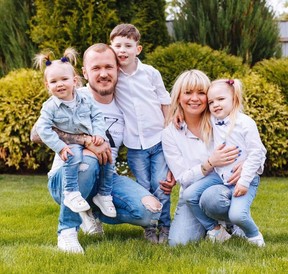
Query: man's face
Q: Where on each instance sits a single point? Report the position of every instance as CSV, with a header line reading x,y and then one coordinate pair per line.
x,y
101,72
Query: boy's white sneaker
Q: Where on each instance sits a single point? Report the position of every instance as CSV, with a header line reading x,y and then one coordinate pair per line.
x,y
105,204
68,241
257,240
90,225
75,201
220,235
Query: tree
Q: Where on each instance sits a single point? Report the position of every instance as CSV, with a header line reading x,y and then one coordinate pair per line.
x,y
16,48
59,24
80,23
244,28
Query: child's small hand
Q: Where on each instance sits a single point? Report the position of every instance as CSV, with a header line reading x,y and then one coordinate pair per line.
x,y
64,153
97,140
240,190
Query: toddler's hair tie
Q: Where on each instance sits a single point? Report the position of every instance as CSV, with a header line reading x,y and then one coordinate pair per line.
x,y
230,82
47,62
64,59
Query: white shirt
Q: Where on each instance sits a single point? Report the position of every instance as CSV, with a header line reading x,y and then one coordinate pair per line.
x,y
184,154
245,135
114,123
140,96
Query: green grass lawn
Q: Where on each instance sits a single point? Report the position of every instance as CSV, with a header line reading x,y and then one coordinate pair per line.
x,y
28,239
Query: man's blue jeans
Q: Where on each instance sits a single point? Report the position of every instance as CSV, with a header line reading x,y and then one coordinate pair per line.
x,y
126,193
149,168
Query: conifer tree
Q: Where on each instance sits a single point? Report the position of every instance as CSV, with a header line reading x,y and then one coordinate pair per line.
x,y
243,28
16,48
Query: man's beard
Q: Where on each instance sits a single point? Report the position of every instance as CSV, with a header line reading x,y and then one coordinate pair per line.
x,y
103,92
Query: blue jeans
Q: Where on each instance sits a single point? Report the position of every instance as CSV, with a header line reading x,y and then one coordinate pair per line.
x,y
71,169
192,195
219,203
126,193
149,168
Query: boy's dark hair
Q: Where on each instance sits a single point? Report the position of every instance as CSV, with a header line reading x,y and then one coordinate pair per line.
x,y
126,30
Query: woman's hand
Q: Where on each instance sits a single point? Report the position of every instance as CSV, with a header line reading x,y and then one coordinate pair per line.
x,y
236,172
223,156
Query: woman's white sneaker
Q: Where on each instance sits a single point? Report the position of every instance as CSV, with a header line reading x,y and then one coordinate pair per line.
x,y
257,240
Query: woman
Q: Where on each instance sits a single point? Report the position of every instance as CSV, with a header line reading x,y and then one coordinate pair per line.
x,y
189,155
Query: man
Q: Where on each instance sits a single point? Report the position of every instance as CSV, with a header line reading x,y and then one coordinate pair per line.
x,y
134,204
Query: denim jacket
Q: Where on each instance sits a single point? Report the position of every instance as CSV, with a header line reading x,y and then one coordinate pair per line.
x,y
85,118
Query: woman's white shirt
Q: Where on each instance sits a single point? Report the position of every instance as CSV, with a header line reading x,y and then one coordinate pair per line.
x,y
184,154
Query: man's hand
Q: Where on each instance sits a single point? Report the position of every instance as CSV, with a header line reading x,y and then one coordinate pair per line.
x,y
168,185
102,152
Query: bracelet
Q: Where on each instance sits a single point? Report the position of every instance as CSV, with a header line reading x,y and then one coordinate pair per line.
x,y
204,170
209,163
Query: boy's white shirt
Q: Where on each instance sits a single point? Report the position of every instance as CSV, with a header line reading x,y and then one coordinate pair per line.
x,y
245,135
140,96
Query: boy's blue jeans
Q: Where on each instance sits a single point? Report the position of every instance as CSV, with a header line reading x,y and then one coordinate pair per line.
x,y
127,197
149,168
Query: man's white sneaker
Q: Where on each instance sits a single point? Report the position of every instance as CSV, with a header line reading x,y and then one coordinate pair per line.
x,y
75,201
257,240
68,241
105,204
90,225
220,235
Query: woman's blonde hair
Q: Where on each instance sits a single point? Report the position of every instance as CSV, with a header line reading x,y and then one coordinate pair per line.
x,y
190,80
44,62
234,86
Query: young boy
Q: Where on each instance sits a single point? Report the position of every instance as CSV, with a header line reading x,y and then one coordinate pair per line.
x,y
144,101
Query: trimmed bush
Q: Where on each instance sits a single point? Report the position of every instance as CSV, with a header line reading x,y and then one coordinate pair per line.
x,y
22,93
177,57
275,71
264,103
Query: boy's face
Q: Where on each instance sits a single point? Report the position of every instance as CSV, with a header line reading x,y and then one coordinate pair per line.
x,y
126,50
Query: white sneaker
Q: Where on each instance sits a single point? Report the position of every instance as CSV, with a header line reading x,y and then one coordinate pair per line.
x,y
105,204
257,240
220,235
68,241
237,231
75,201
90,225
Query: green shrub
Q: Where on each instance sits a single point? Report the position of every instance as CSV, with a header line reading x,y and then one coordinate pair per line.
x,y
275,71
177,57
264,103
22,93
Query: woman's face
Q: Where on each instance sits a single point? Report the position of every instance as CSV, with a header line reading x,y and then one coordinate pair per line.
x,y
193,102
